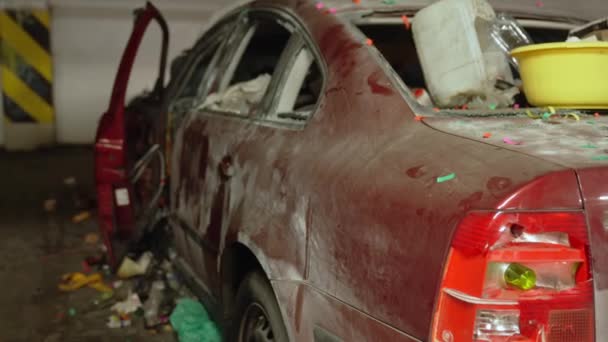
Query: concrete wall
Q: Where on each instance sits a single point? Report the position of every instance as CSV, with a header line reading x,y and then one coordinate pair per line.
x,y
88,38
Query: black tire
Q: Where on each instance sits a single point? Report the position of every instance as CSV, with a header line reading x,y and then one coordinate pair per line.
x,y
255,299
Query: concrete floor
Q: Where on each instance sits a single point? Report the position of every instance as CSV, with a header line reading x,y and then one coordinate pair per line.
x,y
34,255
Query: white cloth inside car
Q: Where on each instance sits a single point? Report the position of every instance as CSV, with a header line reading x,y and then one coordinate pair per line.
x,y
240,97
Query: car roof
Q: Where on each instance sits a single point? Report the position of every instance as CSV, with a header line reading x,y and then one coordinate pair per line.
x,y
581,10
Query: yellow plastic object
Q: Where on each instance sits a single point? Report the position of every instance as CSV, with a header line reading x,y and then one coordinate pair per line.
x,y
74,281
566,75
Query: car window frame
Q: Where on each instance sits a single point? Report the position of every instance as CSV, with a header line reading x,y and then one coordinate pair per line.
x,y
301,38
197,53
244,33
299,34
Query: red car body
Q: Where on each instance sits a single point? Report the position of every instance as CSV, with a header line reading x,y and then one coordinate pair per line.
x,y
348,216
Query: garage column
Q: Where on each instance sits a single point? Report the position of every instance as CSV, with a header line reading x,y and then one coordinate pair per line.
x,y
26,75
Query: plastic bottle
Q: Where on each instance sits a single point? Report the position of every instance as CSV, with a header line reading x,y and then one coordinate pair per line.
x,y
508,35
152,305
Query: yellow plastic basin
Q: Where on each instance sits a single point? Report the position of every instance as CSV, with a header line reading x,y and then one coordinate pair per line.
x,y
569,75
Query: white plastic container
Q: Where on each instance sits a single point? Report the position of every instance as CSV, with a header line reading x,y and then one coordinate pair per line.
x,y
460,62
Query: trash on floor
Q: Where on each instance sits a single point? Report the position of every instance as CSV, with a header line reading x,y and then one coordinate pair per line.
x,y
91,238
152,304
74,281
116,321
128,306
192,322
81,216
130,268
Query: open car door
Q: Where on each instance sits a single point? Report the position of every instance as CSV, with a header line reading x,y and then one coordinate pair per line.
x,y
129,146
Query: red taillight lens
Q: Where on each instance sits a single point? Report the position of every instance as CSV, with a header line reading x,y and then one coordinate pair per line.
x,y
517,277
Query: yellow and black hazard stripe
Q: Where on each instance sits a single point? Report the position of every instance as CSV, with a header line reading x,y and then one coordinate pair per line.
x,y
26,65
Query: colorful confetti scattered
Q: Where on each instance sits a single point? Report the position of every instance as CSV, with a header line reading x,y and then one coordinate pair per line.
x,y
446,178
516,106
388,2
332,10
357,1
596,114
406,21
492,106
369,42
436,109
551,110
546,116
539,3
532,115
600,158
591,122
510,141
72,312
573,115
320,5
487,135
589,146
419,117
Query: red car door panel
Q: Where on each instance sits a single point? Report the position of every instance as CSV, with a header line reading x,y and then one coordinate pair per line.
x,y
128,141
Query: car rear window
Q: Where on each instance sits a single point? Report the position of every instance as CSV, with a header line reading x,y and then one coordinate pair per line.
x,y
396,44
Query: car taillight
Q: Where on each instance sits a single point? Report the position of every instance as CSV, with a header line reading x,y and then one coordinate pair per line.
x,y
517,276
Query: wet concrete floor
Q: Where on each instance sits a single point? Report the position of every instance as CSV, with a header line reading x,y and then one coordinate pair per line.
x,y
34,254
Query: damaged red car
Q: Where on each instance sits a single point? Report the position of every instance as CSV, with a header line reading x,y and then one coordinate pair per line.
x,y
311,196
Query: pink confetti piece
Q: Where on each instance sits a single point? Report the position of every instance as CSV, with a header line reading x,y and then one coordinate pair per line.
x,y
516,106
509,141
332,10
406,21
320,5
539,4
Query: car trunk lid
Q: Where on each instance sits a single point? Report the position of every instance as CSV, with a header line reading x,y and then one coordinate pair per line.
x,y
567,139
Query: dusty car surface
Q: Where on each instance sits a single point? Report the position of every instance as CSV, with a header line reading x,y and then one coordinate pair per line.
x,y
313,199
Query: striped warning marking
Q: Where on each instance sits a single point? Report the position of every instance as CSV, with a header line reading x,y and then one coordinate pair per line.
x,y
26,65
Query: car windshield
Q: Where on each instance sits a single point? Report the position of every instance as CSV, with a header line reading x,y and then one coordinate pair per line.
x,y
392,37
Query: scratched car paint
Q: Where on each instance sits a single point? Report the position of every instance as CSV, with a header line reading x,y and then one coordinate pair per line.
x,y
342,213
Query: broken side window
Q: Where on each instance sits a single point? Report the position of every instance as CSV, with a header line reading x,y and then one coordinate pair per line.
x,y
255,61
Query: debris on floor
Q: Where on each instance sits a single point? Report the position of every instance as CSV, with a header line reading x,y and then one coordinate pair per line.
x,y
77,280
91,238
192,322
143,293
81,217
130,268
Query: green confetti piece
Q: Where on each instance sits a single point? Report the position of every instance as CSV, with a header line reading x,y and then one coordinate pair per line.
x,y
589,146
591,122
72,312
546,115
388,2
492,106
600,158
446,178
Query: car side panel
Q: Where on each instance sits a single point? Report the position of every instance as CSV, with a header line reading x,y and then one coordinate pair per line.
x,y
315,316
380,221
351,204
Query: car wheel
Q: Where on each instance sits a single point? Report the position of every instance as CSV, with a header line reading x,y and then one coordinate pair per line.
x,y
258,314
